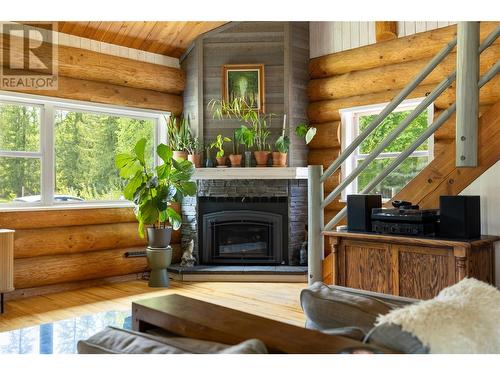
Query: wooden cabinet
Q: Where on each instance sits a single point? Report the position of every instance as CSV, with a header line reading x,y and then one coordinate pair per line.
x,y
416,267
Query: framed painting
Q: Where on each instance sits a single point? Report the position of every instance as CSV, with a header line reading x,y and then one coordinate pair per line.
x,y
244,81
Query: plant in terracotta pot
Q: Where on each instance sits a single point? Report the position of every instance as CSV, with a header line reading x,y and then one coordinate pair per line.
x,y
218,144
261,134
236,156
281,145
194,148
178,136
259,124
153,189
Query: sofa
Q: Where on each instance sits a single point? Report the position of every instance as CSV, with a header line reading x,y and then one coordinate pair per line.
x,y
352,313
462,318
332,310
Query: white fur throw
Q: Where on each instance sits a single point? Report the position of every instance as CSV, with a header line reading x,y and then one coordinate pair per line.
x,y
463,318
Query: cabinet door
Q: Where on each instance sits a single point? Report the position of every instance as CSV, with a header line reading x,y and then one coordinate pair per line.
x,y
365,265
422,272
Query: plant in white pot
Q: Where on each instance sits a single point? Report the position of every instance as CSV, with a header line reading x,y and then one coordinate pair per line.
x,y
153,189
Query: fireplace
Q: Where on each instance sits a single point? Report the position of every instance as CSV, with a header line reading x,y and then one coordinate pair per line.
x,y
236,230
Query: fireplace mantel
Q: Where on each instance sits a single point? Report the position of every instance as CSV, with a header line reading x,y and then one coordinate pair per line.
x,y
253,173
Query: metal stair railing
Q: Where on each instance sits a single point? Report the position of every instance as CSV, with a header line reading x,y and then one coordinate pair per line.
x,y
316,176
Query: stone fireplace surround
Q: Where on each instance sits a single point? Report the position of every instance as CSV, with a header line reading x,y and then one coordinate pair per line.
x,y
295,191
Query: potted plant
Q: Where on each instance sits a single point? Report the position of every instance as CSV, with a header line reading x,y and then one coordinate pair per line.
x,y
235,157
245,137
261,134
305,131
218,144
193,148
178,136
282,145
153,189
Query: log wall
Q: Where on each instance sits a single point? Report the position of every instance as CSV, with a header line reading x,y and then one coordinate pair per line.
x,y
101,78
57,247
374,74
72,247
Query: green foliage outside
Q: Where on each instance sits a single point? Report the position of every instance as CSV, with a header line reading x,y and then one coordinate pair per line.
x,y
408,169
85,147
19,131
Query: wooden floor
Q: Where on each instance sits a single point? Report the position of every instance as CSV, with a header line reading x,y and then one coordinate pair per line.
x,y
279,301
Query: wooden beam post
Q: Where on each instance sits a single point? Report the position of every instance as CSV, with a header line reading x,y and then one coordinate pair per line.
x,y
315,223
386,30
467,94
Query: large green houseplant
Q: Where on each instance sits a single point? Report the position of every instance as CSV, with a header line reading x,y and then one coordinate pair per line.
x,y
153,189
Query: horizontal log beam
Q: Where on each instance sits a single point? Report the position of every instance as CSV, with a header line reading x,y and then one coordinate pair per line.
x,y
39,271
327,135
323,157
107,93
63,218
63,287
100,67
488,94
413,47
328,110
77,239
390,77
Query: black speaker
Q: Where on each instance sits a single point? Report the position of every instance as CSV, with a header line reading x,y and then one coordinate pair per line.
x,y
460,216
359,211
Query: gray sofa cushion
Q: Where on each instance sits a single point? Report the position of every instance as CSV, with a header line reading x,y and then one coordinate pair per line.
x,y
391,336
336,307
114,340
354,333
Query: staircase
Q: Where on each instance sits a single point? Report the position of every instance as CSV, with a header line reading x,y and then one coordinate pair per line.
x,y
442,177
446,174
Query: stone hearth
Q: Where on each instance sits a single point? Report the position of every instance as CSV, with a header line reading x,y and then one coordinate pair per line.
x,y
294,190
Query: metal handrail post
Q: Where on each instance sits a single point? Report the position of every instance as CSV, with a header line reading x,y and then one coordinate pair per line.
x,y
315,221
389,108
391,137
442,118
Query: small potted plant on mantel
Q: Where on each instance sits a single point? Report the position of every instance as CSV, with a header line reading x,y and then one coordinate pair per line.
x,y
178,136
235,157
218,144
282,145
154,189
194,148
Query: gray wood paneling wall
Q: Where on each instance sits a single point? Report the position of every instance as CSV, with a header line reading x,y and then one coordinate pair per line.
x,y
283,48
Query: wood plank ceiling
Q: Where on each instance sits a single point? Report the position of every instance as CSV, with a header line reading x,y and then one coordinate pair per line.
x,y
165,38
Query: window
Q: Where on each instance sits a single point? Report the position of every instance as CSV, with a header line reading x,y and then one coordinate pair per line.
x,y
55,152
355,120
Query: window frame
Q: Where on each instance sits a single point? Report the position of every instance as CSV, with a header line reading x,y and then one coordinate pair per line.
x,y
46,153
350,130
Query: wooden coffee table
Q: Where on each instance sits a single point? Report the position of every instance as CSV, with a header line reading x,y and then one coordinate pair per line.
x,y
188,317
